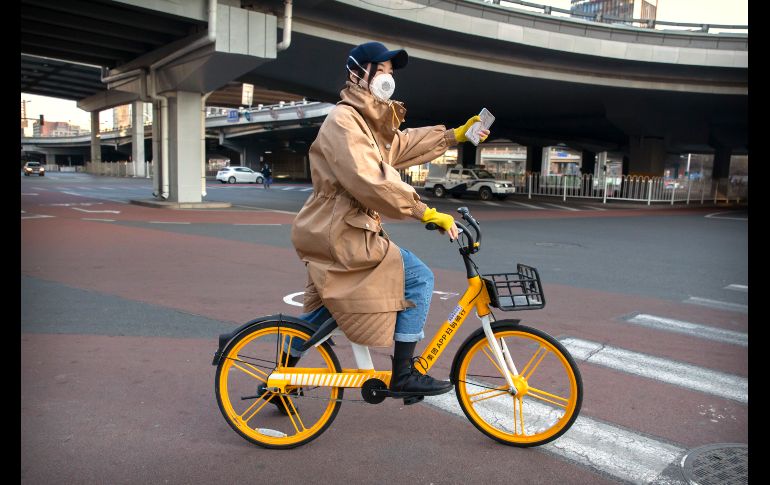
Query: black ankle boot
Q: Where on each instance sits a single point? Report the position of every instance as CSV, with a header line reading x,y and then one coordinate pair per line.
x,y
276,399
406,381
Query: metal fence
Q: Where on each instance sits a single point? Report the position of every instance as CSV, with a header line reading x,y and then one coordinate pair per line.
x,y
116,169
633,188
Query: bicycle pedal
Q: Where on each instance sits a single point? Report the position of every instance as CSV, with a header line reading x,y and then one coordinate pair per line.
x,y
413,400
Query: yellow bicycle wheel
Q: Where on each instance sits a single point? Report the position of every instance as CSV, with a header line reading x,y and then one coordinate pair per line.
x,y
270,419
550,389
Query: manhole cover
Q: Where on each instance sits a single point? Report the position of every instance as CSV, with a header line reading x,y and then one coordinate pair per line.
x,y
719,464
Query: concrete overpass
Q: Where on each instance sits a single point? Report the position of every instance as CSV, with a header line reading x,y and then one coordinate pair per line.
x,y
549,80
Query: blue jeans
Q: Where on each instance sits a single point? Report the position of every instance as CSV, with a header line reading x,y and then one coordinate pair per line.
x,y
418,288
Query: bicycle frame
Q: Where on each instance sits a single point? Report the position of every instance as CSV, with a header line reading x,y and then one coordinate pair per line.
x,y
475,297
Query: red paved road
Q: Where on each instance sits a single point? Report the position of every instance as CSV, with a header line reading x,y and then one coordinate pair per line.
x,y
103,409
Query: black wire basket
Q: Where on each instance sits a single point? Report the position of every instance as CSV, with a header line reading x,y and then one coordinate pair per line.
x,y
515,291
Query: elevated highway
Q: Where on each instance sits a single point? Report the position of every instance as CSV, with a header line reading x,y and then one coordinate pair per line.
x,y
549,80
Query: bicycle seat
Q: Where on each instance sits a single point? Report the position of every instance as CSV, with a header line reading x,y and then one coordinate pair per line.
x,y
325,329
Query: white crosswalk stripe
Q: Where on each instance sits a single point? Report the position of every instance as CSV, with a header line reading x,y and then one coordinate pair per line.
x,y
721,305
694,329
529,206
677,373
742,288
563,207
600,446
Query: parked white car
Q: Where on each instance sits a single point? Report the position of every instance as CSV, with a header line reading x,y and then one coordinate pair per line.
x,y
232,175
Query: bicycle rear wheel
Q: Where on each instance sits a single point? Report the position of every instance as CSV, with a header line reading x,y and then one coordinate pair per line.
x,y
550,389
270,419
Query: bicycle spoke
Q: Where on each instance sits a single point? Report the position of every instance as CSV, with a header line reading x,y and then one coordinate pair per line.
x,y
296,412
539,394
521,413
489,397
288,351
264,402
491,389
491,359
291,418
251,373
514,414
535,365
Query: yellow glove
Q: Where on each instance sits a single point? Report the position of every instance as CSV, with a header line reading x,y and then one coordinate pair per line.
x,y
444,221
460,131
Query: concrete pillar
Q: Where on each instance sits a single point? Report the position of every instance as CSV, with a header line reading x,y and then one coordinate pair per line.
x,y
137,137
156,149
96,147
184,149
545,163
647,156
534,158
588,162
721,168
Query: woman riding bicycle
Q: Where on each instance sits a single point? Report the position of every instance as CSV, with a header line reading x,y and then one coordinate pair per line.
x,y
376,291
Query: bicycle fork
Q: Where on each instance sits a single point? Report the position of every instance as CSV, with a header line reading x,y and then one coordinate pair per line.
x,y
503,356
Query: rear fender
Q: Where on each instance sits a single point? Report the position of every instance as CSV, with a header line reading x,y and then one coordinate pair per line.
x,y
226,338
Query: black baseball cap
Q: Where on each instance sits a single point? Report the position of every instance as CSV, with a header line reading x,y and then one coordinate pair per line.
x,y
376,52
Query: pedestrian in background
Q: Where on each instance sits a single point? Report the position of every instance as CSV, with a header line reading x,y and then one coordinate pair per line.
x,y
267,176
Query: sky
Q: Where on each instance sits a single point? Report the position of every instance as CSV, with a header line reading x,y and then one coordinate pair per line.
x,y
731,12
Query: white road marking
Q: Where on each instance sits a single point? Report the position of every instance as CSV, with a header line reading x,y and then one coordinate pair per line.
x,y
75,203
445,295
166,222
651,367
530,206
94,212
72,193
95,219
721,305
563,207
306,189
37,216
694,329
624,455
107,188
713,216
289,299
29,193
490,203
288,188
39,188
742,288
594,208
256,224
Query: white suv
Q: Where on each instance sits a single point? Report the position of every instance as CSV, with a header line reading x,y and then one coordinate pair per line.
x,y
239,174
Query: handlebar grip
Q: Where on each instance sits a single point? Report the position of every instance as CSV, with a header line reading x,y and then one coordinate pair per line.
x,y
431,226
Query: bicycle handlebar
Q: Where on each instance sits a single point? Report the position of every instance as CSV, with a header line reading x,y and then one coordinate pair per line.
x,y
473,245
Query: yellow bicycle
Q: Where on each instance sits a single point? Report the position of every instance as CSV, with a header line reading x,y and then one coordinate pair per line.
x,y
516,384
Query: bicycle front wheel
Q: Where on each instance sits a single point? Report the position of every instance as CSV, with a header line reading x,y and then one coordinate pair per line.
x,y
271,419
550,389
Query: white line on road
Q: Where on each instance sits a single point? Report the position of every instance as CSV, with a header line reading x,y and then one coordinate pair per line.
x,y
72,193
721,305
306,189
713,216
166,222
563,207
107,188
256,224
94,212
265,209
651,367
37,216
288,188
289,299
624,455
742,288
95,219
29,193
594,208
491,203
694,329
530,206
39,188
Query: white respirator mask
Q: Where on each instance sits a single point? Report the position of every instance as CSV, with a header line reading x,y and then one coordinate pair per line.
x,y
382,86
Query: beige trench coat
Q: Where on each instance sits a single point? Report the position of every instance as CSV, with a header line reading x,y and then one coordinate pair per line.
x,y
353,268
